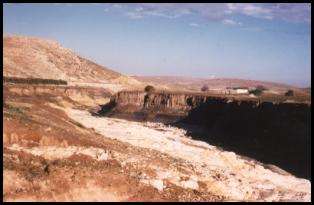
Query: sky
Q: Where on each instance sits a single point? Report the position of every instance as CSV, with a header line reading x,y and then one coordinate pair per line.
x,y
270,42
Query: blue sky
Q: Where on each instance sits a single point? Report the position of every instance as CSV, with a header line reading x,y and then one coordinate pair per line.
x,y
252,41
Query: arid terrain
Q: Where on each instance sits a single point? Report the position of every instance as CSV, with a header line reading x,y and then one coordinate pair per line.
x,y
275,91
41,58
195,84
65,143
55,150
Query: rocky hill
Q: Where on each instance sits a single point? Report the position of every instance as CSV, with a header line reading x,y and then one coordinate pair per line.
x,y
40,58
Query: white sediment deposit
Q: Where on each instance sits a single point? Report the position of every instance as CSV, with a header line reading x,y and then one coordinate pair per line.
x,y
55,152
224,173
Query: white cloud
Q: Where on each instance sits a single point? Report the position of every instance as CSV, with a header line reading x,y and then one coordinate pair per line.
x,y
231,6
164,14
139,9
117,6
257,11
290,12
134,15
231,22
141,12
194,25
218,11
255,29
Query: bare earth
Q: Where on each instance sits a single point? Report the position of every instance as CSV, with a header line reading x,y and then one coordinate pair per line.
x,y
40,58
54,150
195,84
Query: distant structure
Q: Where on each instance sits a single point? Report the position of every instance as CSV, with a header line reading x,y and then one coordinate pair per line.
x,y
230,91
237,90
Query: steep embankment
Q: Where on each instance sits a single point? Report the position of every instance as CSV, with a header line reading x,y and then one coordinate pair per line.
x,y
273,133
156,105
277,133
40,58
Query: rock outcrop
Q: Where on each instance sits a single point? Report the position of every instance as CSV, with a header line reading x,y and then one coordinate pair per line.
x,y
274,133
164,102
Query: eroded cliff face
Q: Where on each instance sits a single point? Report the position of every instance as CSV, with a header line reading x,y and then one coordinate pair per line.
x,y
165,102
274,133
175,102
163,107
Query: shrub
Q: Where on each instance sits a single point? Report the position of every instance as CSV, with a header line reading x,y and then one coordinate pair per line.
x,y
204,88
289,93
261,87
257,91
149,89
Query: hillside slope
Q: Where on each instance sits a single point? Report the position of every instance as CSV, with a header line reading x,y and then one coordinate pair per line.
x,y
40,58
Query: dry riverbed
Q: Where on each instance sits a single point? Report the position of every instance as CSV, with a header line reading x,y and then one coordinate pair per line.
x,y
221,172
56,151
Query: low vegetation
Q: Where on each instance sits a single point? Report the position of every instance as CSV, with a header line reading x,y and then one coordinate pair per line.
x,y
289,93
261,87
204,88
258,91
33,81
11,111
149,89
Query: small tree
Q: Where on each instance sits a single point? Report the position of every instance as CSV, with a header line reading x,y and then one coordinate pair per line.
x,y
261,87
289,93
204,88
149,89
256,91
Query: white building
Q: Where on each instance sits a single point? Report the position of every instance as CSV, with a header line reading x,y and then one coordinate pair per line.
x,y
238,90
242,91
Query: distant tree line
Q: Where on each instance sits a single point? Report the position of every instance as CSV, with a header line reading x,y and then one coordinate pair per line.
x,y
33,81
